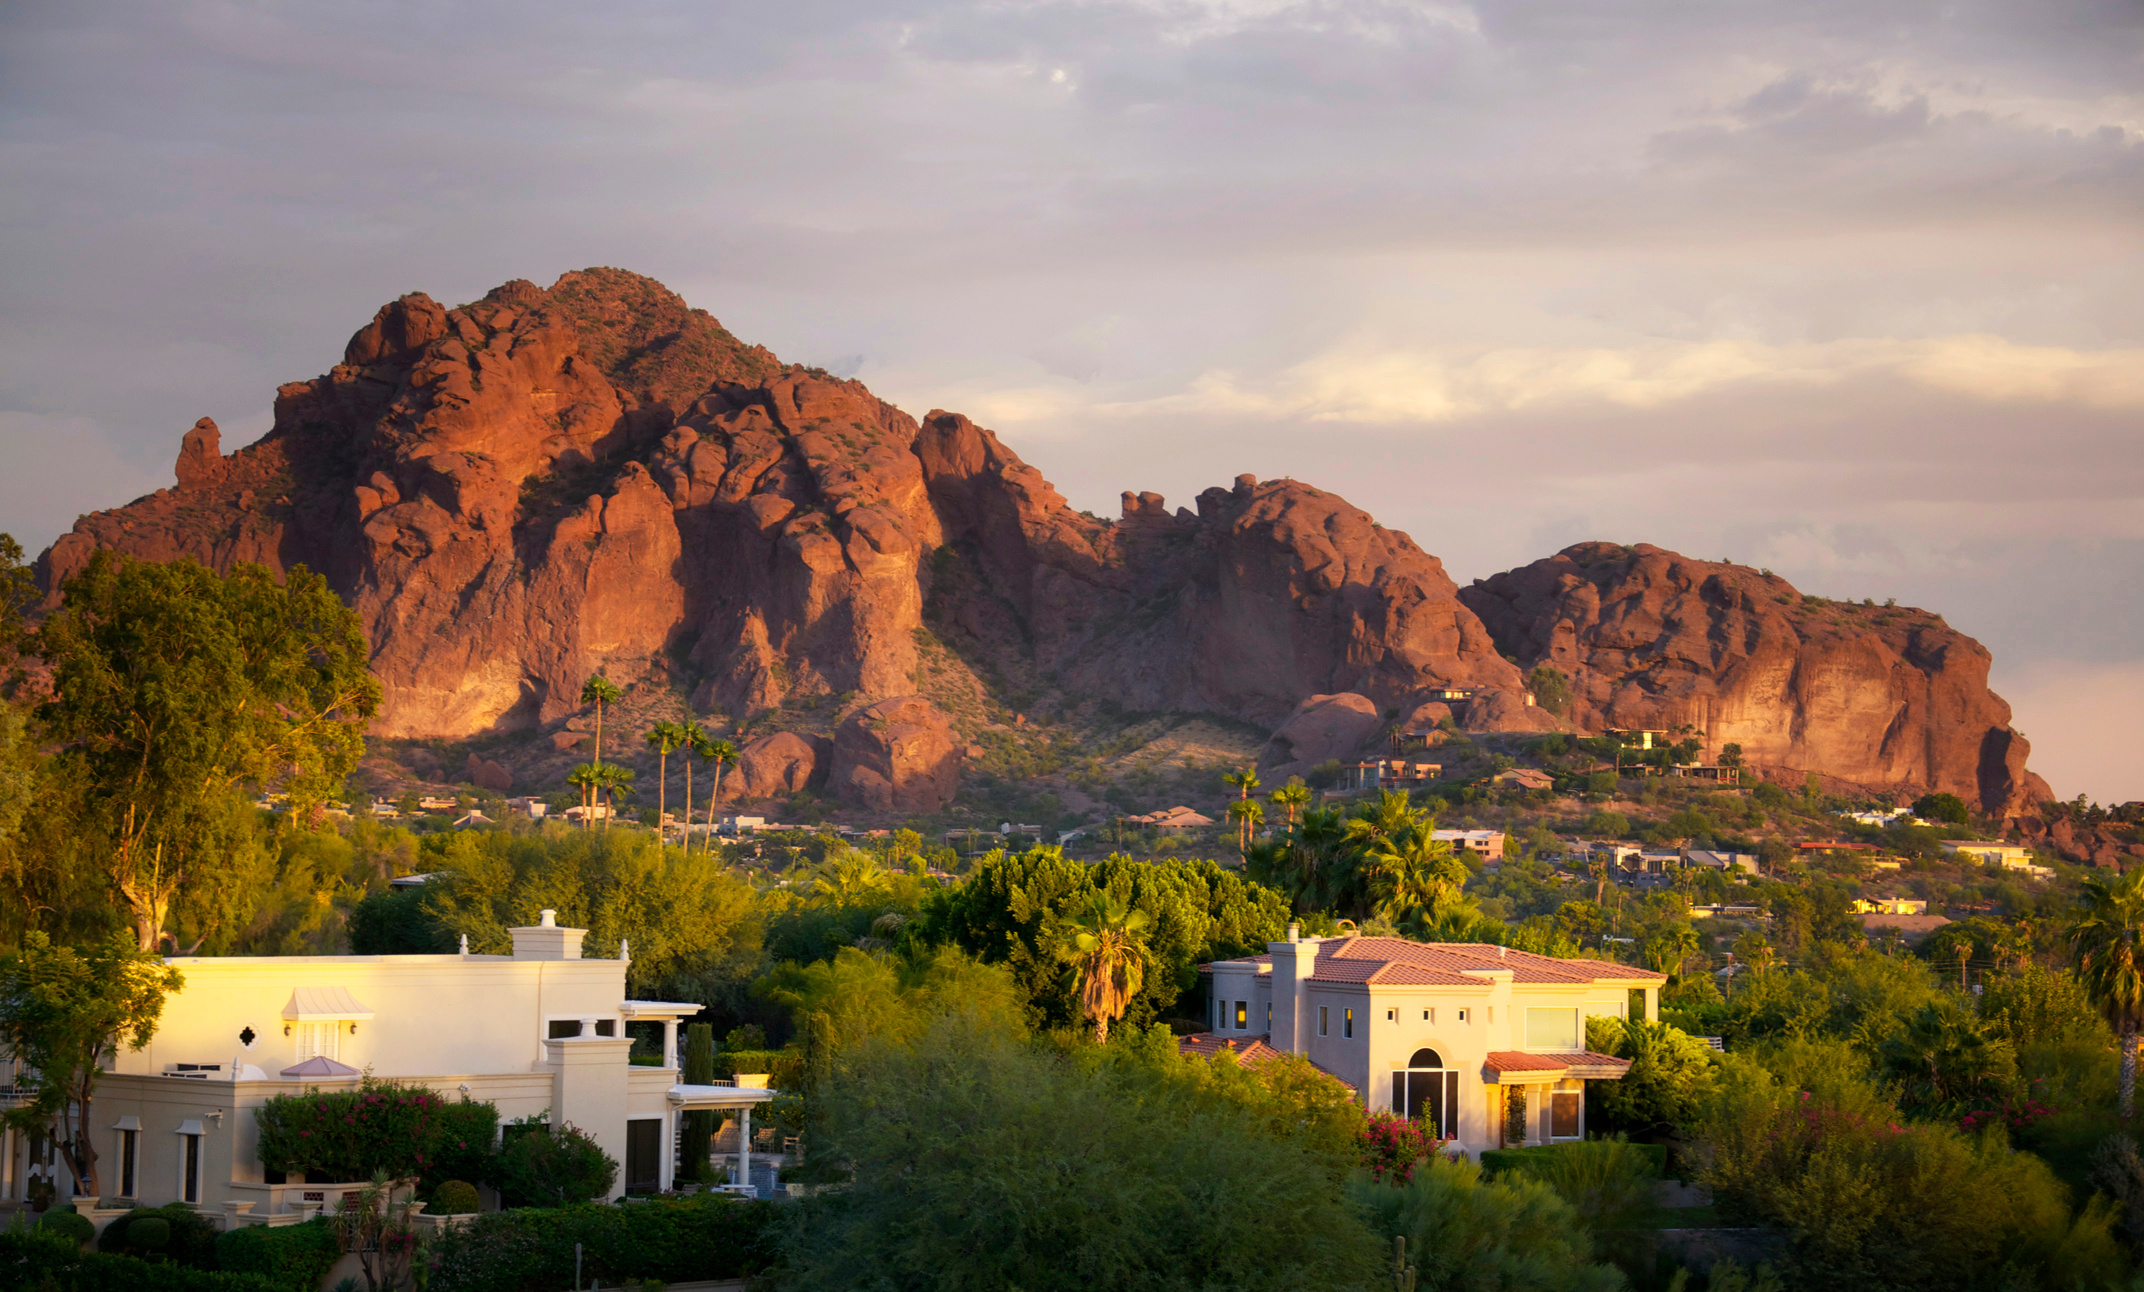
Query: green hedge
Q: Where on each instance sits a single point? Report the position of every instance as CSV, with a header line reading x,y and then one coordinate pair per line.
x,y
346,1135
173,1232
296,1257
729,1063
669,1240
50,1263
1530,1161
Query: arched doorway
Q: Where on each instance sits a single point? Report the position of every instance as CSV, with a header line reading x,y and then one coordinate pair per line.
x,y
1426,1091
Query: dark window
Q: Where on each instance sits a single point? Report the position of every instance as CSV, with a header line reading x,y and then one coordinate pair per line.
x,y
606,1027
128,1157
1431,1098
1426,1058
1563,1115
1322,1028
193,1167
1347,1023
246,1038
1269,1016
643,1155
564,1028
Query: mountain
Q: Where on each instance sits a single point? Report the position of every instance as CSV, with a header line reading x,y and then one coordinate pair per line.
x,y
523,490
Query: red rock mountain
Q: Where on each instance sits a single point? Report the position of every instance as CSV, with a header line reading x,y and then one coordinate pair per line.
x,y
547,482
1873,695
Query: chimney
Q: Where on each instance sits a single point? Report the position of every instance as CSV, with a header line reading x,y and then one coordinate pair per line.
x,y
1499,952
546,940
1295,931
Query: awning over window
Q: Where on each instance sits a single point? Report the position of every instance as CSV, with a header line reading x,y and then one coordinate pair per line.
x,y
1517,1067
320,1067
324,1005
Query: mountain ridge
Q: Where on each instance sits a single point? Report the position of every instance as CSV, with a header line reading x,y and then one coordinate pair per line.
x,y
520,491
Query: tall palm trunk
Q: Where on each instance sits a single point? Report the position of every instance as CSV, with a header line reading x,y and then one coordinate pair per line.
x,y
688,800
712,795
662,787
2128,1089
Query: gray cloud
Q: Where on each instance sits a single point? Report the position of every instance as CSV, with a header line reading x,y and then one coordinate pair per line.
x,y
1851,289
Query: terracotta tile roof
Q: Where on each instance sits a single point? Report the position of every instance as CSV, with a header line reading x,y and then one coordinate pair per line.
x,y
1443,964
1245,1050
1521,1061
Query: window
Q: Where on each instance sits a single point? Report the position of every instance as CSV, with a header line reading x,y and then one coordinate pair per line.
x,y
1462,1016
1243,1016
1347,1023
1269,1016
316,1039
562,1029
1563,1114
129,1160
606,1027
1551,1029
1392,1016
190,1183
1426,1093
1323,1028
1429,1016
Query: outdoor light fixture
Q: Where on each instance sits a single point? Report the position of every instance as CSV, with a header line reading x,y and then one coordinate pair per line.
x,y
353,1029
286,1029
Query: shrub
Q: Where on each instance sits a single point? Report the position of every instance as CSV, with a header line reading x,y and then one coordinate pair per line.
x,y
556,1168
1670,1076
1464,1232
37,1258
1392,1145
349,1135
455,1198
729,1063
295,1257
71,1225
671,1240
175,1232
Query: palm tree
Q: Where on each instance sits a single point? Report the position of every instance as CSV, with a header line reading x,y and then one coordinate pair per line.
x,y
1318,843
599,691
1290,797
1754,950
1108,959
1394,813
583,778
612,780
847,877
1244,781
1413,874
696,746
1249,816
2109,968
1666,950
720,752
663,738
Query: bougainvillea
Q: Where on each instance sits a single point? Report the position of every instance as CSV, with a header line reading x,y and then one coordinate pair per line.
x,y
2018,1109
1391,1146
347,1135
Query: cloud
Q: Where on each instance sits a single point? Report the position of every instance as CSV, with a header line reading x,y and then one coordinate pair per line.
x,y
2081,719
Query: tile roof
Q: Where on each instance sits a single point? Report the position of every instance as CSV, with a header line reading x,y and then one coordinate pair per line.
x,y
1402,962
1521,1061
1245,1050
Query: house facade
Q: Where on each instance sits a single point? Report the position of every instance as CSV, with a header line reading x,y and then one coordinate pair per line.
x,y
1441,1032
542,1030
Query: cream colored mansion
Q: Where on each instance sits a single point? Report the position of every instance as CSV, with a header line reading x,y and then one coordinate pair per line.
x,y
1440,1032
541,1030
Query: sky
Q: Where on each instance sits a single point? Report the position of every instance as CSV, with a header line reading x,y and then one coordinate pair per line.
x,y
1851,291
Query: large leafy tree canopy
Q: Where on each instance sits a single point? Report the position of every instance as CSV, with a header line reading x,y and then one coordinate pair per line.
x,y
176,690
63,1014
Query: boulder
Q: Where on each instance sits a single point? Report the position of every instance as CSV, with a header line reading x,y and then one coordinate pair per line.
x,y
777,765
896,756
201,456
1322,727
487,775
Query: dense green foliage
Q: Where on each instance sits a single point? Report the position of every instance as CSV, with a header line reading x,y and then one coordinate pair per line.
x,y
455,1198
295,1257
47,1262
174,1232
558,1166
659,1239
348,1135
980,1161
1467,1234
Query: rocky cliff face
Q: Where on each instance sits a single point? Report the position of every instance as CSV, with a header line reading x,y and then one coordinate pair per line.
x,y
1879,696
521,491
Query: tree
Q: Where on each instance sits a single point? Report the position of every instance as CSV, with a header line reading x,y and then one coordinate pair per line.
x,y
1414,876
1552,690
694,747
1291,797
1755,951
696,1149
719,752
1108,959
1249,816
585,777
18,592
1731,756
1947,808
1666,950
177,691
1243,782
63,1016
599,691
665,738
615,782
2105,940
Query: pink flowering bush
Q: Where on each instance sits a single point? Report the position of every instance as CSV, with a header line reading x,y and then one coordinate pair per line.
x,y
409,1132
1392,1145
2017,1110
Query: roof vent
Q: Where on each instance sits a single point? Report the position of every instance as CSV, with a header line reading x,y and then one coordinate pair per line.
x,y
1500,953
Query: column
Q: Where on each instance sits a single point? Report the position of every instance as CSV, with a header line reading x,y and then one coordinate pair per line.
x,y
1652,1004
666,1171
744,1145
670,1043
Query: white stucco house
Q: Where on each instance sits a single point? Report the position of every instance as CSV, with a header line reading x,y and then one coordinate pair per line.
x,y
539,1030
1436,1031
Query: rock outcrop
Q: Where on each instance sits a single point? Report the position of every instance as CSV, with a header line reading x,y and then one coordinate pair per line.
x,y
518,492
777,765
896,756
1871,695
1322,728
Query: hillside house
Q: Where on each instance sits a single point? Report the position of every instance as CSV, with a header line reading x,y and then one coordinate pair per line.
x,y
1441,1032
1524,778
1384,774
1485,844
2010,856
1175,818
1889,906
540,1029
1741,863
